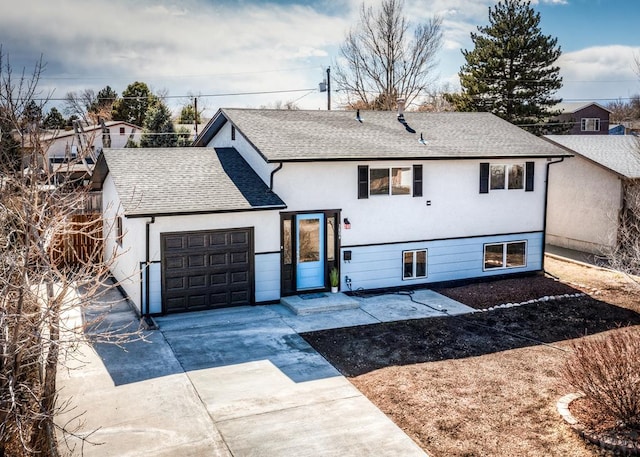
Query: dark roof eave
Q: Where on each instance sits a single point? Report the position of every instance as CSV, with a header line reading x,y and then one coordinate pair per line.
x,y
196,213
387,159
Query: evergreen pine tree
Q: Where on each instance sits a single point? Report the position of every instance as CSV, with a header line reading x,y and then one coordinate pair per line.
x,y
158,130
511,71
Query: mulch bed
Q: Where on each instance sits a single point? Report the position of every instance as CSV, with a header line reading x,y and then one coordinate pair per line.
x,y
482,295
361,349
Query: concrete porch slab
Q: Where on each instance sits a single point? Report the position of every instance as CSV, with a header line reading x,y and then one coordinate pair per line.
x,y
325,303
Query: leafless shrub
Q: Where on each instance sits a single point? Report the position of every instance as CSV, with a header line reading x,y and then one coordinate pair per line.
x,y
607,370
44,275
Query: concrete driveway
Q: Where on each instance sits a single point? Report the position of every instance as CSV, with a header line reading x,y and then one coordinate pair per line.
x,y
233,382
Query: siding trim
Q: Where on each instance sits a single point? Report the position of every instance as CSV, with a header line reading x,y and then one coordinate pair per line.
x,y
351,246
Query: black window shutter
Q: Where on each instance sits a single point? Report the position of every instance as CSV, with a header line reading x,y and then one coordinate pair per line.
x,y
484,178
363,181
417,180
529,169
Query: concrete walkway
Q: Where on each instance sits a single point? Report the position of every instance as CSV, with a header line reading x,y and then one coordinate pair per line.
x,y
233,382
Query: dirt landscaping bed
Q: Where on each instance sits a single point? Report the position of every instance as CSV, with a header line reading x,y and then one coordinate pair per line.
x,y
485,384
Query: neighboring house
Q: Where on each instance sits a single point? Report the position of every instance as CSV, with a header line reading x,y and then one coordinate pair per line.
x,y
72,153
65,144
271,200
586,118
588,193
625,128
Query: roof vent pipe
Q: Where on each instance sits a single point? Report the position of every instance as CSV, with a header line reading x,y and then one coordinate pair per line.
x,y
400,108
358,118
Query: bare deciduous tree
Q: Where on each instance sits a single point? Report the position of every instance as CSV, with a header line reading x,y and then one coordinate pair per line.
x,y
43,274
380,62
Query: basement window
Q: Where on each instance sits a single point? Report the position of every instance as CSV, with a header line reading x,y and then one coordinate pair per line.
x,y
414,264
505,255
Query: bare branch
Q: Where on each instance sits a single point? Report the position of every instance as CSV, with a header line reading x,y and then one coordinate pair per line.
x,y
379,63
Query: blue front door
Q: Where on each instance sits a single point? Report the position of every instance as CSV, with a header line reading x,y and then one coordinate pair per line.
x,y
310,253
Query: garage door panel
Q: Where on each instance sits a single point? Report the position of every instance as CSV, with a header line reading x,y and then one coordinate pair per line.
x,y
218,259
239,238
176,284
175,263
204,270
174,244
218,239
196,241
197,281
239,277
239,258
197,260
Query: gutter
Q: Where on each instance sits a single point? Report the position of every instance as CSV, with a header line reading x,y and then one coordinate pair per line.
x,y
275,170
546,204
147,286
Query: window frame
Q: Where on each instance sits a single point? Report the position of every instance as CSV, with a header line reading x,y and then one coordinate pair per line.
x,y
505,255
414,264
506,176
390,193
585,122
119,231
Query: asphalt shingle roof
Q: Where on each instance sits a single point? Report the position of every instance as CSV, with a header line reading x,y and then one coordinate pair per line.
x,y
619,153
288,135
166,181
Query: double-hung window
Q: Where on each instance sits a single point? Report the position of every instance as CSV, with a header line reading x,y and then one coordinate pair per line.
x,y
505,255
390,181
507,176
514,176
400,180
414,264
590,124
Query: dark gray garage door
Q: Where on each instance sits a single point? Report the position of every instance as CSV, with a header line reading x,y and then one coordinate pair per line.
x,y
206,269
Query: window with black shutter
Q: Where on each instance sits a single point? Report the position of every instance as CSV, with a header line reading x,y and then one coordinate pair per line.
x,y
529,173
484,178
363,181
417,180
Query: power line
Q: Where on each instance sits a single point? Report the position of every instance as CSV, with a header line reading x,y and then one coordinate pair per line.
x,y
230,94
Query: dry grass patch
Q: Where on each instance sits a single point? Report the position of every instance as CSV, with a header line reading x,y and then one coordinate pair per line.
x,y
467,386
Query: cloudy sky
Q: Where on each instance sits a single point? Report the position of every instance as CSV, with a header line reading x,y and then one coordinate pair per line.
x,y
213,48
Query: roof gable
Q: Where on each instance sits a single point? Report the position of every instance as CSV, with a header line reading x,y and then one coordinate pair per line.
x,y
291,135
573,107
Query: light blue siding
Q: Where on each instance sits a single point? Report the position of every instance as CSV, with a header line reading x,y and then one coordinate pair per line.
x,y
267,277
379,266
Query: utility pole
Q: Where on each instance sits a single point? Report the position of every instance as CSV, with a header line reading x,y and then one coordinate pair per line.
x,y
195,116
329,88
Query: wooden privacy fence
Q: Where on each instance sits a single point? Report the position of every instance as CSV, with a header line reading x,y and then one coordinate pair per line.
x,y
82,242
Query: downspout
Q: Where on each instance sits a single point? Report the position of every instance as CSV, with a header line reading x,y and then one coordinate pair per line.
x,y
275,170
147,286
546,203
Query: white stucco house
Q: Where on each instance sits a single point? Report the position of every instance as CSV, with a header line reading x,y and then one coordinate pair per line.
x,y
269,201
588,193
65,149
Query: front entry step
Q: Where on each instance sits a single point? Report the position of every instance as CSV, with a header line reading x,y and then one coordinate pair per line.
x,y
319,303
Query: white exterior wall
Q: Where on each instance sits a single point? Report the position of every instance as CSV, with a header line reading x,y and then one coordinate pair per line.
x,y
246,150
457,208
584,203
124,259
266,226
57,147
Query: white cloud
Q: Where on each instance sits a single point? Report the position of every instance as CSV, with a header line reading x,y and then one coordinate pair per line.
x,y
603,72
